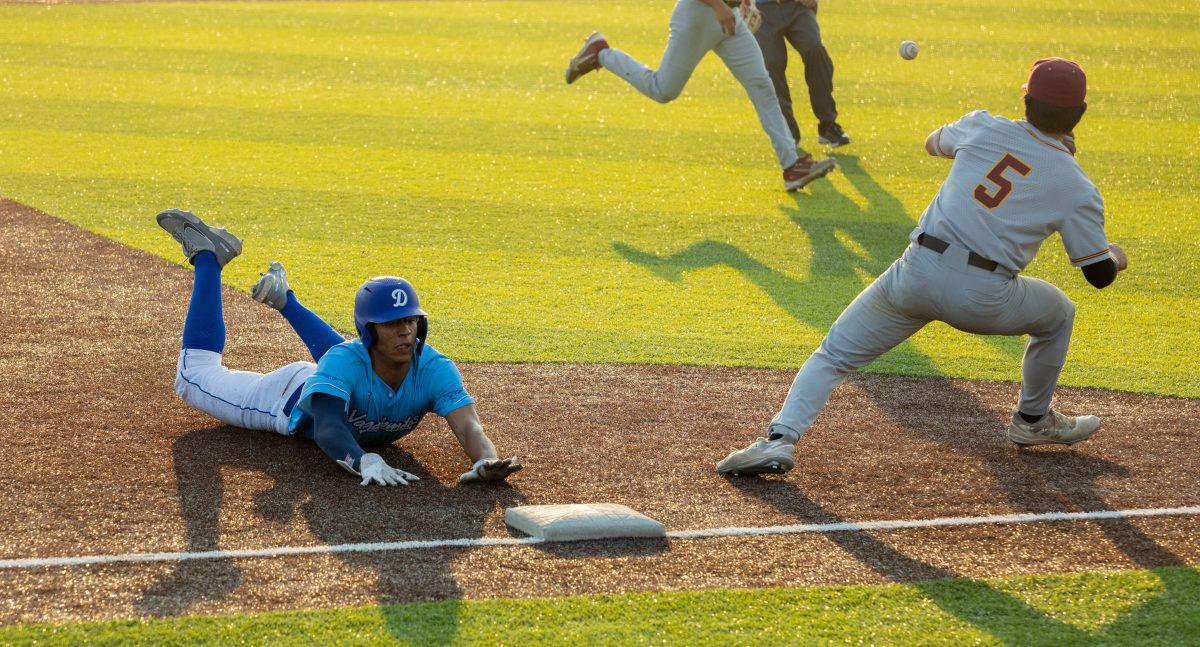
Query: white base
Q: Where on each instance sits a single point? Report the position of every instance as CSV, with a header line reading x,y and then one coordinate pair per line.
x,y
580,521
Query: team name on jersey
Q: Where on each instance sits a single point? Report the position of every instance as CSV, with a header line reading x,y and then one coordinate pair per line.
x,y
365,426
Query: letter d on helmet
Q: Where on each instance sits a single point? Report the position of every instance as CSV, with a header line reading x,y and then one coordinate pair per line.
x,y
387,298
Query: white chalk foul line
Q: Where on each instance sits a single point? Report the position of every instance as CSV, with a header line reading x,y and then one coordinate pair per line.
x,y
704,533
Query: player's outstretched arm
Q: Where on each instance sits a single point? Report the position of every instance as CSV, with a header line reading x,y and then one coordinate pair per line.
x,y
464,422
334,435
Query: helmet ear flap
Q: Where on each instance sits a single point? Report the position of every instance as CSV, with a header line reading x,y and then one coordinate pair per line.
x,y
367,334
422,333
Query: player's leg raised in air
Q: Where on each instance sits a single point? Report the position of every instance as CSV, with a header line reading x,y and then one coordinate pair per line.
x,y
273,290
240,398
697,27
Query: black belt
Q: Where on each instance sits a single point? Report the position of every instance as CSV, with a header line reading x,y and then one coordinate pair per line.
x,y
938,245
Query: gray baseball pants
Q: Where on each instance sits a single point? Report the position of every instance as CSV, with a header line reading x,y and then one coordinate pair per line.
x,y
694,32
924,286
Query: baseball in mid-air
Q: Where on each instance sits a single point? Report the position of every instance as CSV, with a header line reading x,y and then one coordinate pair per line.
x,y
908,50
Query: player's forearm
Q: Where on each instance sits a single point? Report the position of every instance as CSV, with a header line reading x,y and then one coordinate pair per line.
x,y
464,422
477,445
332,431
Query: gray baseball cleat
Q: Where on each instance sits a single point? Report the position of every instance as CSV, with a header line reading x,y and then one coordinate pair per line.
x,y
763,457
272,288
1053,429
195,236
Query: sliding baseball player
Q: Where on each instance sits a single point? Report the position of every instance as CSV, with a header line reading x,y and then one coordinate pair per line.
x,y
358,394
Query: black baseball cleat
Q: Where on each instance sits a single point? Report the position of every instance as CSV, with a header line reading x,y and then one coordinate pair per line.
x,y
832,135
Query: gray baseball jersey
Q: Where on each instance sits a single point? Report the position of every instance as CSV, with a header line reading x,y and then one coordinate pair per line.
x,y
1009,189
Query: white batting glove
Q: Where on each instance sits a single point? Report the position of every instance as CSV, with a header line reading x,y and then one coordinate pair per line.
x,y
491,469
373,469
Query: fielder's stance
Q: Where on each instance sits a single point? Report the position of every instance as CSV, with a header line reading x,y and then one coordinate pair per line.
x,y
697,27
368,391
1012,184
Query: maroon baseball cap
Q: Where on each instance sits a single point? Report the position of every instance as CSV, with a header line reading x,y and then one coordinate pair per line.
x,y
1058,82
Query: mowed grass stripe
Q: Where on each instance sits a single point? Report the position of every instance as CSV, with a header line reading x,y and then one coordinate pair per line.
x,y
583,223
1160,606
396,135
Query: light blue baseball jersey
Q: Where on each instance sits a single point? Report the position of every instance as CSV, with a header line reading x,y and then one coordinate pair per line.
x,y
376,413
1010,188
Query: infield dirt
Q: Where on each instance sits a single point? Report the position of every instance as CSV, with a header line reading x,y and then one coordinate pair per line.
x,y
100,456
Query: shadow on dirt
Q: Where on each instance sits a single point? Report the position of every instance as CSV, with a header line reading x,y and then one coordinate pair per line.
x,y
335,510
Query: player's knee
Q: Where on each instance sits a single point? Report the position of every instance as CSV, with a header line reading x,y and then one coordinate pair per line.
x,y
666,91
774,60
181,386
1068,312
836,361
667,95
761,85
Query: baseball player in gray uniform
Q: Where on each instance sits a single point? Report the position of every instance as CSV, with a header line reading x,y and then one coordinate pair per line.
x,y
697,27
1011,185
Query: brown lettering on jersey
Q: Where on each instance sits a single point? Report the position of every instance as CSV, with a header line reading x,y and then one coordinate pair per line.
x,y
1004,186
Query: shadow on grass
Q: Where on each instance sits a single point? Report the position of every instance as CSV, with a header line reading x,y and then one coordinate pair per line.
x,y
848,242
336,510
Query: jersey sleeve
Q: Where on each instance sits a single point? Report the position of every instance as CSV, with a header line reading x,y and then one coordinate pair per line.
x,y
446,388
1083,232
954,135
336,375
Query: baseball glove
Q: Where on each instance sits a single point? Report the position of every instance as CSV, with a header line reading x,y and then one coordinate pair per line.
x,y
750,15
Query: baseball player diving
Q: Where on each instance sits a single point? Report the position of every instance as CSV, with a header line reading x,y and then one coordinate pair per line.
x,y
365,392
1011,185
697,27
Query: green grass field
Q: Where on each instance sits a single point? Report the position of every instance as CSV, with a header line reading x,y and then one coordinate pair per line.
x,y
1123,608
545,222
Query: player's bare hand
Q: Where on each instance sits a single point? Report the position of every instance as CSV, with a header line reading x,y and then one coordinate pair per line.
x,y
491,469
811,4
726,18
373,469
1119,256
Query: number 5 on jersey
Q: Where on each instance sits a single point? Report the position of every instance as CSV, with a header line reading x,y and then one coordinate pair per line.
x,y
1004,186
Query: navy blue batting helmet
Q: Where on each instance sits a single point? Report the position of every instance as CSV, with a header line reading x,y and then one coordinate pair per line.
x,y
387,298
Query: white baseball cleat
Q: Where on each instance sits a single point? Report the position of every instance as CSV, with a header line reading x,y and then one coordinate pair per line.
x,y
1053,429
763,457
190,231
272,288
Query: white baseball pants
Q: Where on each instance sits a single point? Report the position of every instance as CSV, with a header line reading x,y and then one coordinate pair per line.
x,y
239,398
923,286
694,32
